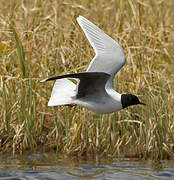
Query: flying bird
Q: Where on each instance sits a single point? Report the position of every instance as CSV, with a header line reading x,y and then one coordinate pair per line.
x,y
94,89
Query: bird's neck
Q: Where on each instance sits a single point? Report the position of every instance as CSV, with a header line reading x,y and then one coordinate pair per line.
x,y
114,94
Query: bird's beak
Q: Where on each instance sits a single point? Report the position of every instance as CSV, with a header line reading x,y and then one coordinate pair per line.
x,y
142,103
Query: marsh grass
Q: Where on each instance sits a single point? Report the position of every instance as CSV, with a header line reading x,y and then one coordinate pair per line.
x,y
42,38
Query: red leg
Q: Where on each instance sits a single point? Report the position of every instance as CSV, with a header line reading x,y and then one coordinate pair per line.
x,y
70,105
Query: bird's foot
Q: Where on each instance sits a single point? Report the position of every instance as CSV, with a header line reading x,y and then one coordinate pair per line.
x,y
70,105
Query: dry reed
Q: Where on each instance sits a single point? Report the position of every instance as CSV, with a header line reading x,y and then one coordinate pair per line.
x,y
42,38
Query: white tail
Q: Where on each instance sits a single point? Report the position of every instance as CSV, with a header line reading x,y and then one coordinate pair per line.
x,y
62,93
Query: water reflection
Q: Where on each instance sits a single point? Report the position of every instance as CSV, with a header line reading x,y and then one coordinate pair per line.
x,y
51,166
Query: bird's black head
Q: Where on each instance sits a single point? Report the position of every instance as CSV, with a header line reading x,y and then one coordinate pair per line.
x,y
129,100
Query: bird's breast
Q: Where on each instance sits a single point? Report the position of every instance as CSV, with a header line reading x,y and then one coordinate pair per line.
x,y
101,105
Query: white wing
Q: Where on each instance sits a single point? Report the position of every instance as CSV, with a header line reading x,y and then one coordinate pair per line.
x,y
109,56
62,92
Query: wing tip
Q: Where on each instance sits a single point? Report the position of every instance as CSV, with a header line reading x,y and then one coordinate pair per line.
x,y
44,80
80,19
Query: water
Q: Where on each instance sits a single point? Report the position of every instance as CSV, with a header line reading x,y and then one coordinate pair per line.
x,y
51,166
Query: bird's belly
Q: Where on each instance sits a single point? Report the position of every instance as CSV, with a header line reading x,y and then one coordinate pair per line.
x,y
100,105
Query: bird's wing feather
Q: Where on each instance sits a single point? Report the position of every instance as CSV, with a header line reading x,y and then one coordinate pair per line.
x,y
90,82
62,92
109,56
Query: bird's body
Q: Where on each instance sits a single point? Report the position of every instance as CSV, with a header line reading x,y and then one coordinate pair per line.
x,y
107,103
94,90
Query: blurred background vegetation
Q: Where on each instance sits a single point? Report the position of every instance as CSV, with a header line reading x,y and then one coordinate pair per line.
x,y
41,38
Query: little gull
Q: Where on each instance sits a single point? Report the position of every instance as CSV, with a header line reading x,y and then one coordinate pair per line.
x,y
94,89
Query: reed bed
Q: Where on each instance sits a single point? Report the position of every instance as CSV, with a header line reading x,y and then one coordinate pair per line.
x,y
42,38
